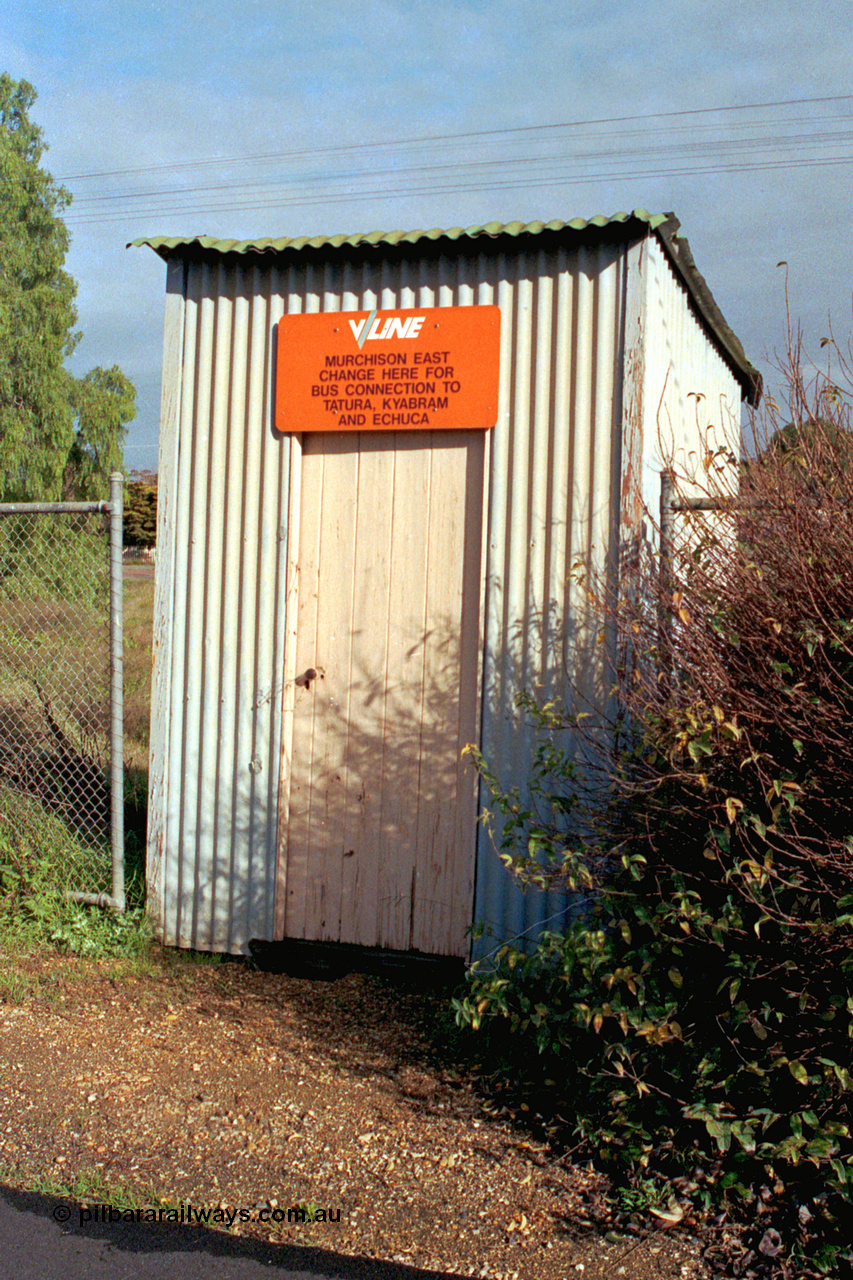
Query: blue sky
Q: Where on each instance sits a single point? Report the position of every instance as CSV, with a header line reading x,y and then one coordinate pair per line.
x,y
293,107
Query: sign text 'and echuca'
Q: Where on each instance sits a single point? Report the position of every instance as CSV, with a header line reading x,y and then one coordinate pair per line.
x,y
418,369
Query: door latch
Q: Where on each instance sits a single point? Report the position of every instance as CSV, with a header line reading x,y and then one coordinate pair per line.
x,y
304,681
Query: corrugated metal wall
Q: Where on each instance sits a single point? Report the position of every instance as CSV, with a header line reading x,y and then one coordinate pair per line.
x,y
555,468
681,365
555,475
219,625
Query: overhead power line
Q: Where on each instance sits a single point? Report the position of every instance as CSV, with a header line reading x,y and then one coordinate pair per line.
x,y
453,137
775,144
564,180
565,154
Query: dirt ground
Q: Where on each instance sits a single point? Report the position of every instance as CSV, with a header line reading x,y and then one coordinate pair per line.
x,y
137,571
225,1087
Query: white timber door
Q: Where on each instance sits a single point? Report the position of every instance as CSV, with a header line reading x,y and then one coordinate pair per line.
x,y
378,806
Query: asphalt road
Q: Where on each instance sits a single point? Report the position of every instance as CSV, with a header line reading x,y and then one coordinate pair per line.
x,y
42,1238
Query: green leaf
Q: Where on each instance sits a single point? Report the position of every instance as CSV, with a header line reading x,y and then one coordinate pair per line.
x,y
732,807
757,825
843,1075
721,1132
700,746
744,1135
820,1148
799,1072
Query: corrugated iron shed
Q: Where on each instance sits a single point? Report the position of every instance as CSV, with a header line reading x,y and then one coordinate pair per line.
x,y
609,335
665,225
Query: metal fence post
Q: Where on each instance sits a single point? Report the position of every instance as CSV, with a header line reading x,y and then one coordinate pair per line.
x,y
667,492
117,687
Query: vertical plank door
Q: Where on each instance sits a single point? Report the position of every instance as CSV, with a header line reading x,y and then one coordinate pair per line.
x,y
377,841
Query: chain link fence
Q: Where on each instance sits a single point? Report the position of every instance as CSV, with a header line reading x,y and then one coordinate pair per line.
x,y
61,767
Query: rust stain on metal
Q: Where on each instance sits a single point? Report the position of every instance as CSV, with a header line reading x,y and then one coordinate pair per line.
x,y
155,854
156,862
631,502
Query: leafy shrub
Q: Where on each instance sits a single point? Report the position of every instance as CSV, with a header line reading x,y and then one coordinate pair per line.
x,y
696,1017
140,511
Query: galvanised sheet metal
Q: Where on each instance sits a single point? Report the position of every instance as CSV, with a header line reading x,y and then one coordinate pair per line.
x,y
555,466
620,226
556,479
219,624
692,399
166,245
572,491
551,488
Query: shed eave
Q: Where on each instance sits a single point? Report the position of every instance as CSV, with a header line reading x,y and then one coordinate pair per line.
x,y
620,226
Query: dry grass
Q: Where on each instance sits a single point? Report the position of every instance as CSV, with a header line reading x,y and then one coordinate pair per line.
x,y
138,622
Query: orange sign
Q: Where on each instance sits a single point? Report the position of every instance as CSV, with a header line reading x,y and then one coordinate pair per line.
x,y
388,370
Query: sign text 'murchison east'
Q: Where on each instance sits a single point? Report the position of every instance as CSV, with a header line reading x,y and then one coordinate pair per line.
x,y
417,369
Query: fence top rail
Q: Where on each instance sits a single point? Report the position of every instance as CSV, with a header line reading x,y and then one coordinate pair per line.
x,y
54,508
740,504
718,504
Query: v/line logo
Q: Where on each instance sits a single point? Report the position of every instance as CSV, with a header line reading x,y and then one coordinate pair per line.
x,y
375,329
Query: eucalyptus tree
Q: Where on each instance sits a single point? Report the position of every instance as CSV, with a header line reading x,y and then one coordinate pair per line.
x,y
59,435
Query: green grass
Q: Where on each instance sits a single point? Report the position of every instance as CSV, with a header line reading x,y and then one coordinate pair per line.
x,y
16,986
87,1188
42,856
38,848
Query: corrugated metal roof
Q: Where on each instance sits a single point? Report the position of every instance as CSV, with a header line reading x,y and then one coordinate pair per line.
x,y
167,245
623,225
